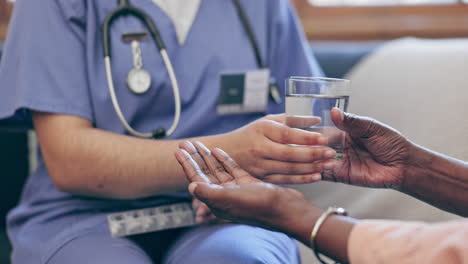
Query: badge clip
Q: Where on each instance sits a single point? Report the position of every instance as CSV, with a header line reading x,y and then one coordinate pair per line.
x,y
134,36
138,79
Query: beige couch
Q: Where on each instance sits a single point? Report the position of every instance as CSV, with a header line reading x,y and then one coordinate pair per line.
x,y
419,87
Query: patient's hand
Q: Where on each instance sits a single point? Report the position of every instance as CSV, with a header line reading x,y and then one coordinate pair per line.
x,y
202,165
375,155
234,194
260,204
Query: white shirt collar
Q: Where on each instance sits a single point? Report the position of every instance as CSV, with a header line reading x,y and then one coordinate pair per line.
x,y
182,14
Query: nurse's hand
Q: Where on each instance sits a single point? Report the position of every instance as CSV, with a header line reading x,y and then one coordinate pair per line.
x,y
265,148
374,155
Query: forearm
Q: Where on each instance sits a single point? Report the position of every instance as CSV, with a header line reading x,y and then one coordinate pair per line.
x,y
438,180
94,162
373,241
409,242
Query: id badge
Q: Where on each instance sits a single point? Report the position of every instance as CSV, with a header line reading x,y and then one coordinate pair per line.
x,y
244,92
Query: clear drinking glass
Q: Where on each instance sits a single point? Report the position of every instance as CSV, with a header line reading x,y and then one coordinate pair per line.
x,y
314,96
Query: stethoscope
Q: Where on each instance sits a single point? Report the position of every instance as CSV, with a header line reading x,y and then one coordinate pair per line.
x,y
139,80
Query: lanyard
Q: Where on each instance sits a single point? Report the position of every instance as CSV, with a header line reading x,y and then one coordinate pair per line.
x,y
273,87
250,33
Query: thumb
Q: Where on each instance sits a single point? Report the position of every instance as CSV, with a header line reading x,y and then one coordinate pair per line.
x,y
356,126
206,192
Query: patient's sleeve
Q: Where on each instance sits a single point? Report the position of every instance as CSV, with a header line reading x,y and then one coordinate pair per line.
x,y
409,242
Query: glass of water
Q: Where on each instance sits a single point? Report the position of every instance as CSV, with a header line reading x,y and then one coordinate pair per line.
x,y
308,97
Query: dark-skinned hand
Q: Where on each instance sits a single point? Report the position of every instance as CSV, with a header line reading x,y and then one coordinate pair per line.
x,y
233,194
374,155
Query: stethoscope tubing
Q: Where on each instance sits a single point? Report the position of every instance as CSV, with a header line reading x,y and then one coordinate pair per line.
x,y
129,10
176,91
118,110
126,9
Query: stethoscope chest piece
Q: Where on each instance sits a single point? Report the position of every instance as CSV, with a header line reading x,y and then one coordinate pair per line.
x,y
139,81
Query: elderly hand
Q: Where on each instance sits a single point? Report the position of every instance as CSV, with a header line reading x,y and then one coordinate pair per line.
x,y
233,194
268,150
202,165
260,204
374,155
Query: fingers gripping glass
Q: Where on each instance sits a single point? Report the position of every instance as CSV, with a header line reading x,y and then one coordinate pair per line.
x,y
308,97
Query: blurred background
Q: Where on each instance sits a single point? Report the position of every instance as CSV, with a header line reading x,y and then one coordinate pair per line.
x,y
382,19
407,61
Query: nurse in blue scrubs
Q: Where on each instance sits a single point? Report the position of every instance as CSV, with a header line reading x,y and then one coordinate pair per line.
x,y
89,166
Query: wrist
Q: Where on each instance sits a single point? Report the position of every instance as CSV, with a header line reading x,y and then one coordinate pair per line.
x,y
332,236
229,142
222,141
300,225
438,180
419,161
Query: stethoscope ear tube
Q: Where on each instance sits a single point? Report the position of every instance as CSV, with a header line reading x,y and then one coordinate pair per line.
x,y
153,30
106,43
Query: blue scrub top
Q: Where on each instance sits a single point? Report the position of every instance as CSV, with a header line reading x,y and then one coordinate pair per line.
x,y
53,63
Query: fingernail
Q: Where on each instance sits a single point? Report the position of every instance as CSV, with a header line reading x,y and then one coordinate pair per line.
x,y
323,140
220,151
181,144
341,114
190,146
192,187
317,177
328,165
184,152
330,154
203,147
